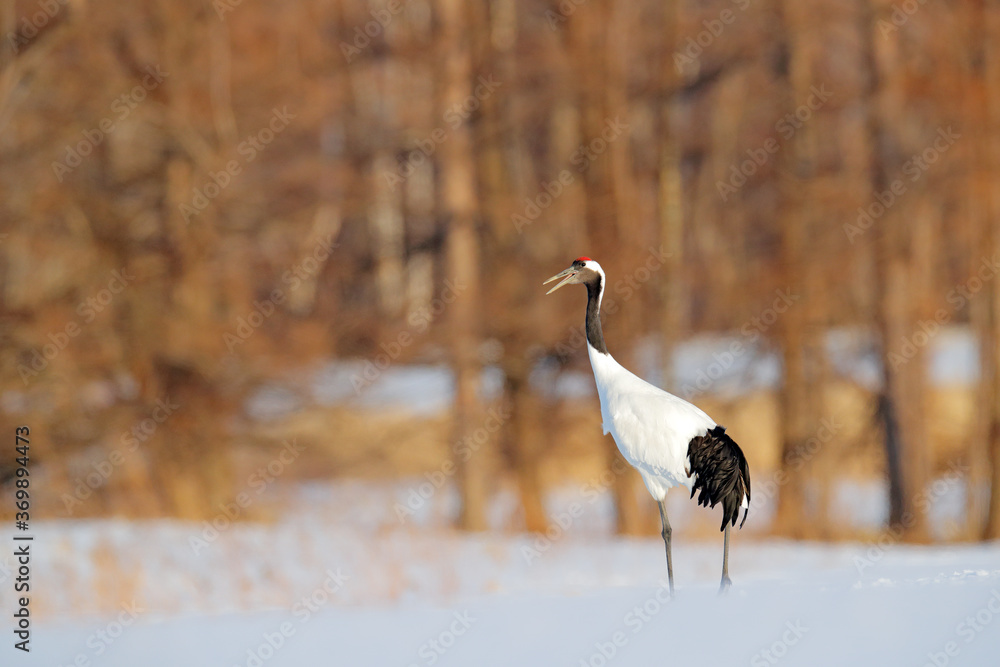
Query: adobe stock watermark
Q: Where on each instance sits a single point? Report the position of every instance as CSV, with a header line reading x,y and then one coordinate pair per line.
x,y
750,333
248,150
562,12
121,107
223,7
562,522
363,35
584,155
634,620
786,128
968,629
923,501
130,441
957,298
257,483
419,321
794,461
779,648
463,451
88,310
623,290
899,16
303,610
30,25
291,279
686,58
588,152
434,648
913,169
454,117
99,641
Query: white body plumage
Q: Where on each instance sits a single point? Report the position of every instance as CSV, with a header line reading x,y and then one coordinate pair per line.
x,y
651,427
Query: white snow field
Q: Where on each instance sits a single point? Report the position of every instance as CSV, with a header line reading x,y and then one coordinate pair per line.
x,y
337,579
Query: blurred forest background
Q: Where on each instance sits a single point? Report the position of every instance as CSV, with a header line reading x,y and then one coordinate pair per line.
x,y
228,225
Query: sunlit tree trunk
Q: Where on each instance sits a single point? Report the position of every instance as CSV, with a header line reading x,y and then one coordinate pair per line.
x,y
460,209
991,204
800,393
901,403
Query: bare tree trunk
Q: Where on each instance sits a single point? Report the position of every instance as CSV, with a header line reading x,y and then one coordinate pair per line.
x,y
795,418
901,401
901,404
494,28
977,450
672,292
978,236
459,204
524,446
800,392
991,204
385,217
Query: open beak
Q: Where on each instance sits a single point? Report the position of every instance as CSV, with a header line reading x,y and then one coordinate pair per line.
x,y
567,277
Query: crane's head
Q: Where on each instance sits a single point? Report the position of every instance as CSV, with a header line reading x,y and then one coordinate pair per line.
x,y
583,270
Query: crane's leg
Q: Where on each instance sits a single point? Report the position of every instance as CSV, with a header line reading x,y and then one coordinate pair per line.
x,y
726,581
666,541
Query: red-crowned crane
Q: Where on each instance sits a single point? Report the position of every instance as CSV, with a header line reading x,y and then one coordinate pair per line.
x,y
668,440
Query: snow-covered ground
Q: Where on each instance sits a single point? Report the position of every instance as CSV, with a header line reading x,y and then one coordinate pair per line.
x,y
811,611
337,579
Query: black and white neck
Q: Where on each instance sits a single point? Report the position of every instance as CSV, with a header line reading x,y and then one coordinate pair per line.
x,y
592,275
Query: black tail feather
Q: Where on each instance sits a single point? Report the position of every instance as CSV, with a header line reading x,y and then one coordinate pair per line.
x,y
721,474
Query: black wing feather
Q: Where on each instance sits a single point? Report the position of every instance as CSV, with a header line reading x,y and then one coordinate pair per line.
x,y
721,474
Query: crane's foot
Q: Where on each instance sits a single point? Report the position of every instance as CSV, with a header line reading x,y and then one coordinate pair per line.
x,y
726,584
